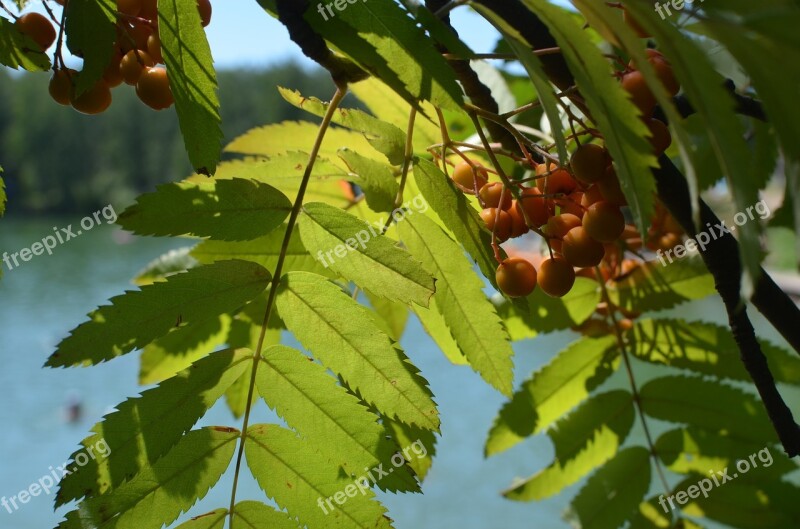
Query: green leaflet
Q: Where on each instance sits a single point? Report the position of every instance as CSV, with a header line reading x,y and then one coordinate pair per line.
x,y
418,443
385,41
384,137
264,251
391,316
613,493
584,440
161,492
376,180
615,116
654,287
389,106
17,51
3,197
767,505
711,405
358,252
435,325
136,318
471,317
457,214
299,480
212,520
283,138
704,88
546,314
183,346
323,412
697,450
552,391
227,210
256,515
91,34
704,348
193,81
145,428
651,515
165,265
343,336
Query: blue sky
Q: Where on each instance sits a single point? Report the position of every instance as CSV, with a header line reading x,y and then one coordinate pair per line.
x,y
242,34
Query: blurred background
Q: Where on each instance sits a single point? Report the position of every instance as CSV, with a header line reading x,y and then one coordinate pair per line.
x,y
60,166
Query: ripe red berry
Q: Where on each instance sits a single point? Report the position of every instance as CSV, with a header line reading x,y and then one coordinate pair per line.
x,y
133,64
154,90
604,222
516,277
95,100
38,28
556,277
558,181
589,162
634,83
661,138
518,226
534,205
581,250
497,221
470,180
494,195
60,86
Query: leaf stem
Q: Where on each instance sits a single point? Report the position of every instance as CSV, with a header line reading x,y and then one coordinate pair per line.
x,y
276,279
632,379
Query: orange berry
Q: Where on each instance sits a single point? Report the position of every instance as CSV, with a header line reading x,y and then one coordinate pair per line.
x,y
581,250
558,181
112,75
534,206
61,86
470,180
95,100
154,47
661,138
591,195
154,90
589,162
604,222
497,221
559,225
610,189
571,203
634,83
516,277
518,226
129,7
663,70
133,64
556,277
149,10
38,28
494,195
204,7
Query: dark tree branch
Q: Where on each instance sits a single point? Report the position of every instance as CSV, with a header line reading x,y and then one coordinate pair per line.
x,y
343,71
722,258
479,93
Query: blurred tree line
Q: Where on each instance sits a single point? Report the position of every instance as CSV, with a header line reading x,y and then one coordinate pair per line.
x,y
56,160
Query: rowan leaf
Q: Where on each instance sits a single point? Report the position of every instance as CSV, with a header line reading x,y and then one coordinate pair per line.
x,y
299,480
471,317
392,316
161,492
384,137
613,493
136,318
711,405
552,391
212,520
344,337
91,33
19,51
457,215
375,179
170,263
145,428
584,440
227,210
358,252
255,515
435,325
332,420
193,81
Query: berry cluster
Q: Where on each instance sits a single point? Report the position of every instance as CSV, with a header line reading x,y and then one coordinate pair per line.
x,y
135,60
578,211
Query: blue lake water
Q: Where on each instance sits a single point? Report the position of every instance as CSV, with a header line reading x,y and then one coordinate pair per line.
x,y
43,299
